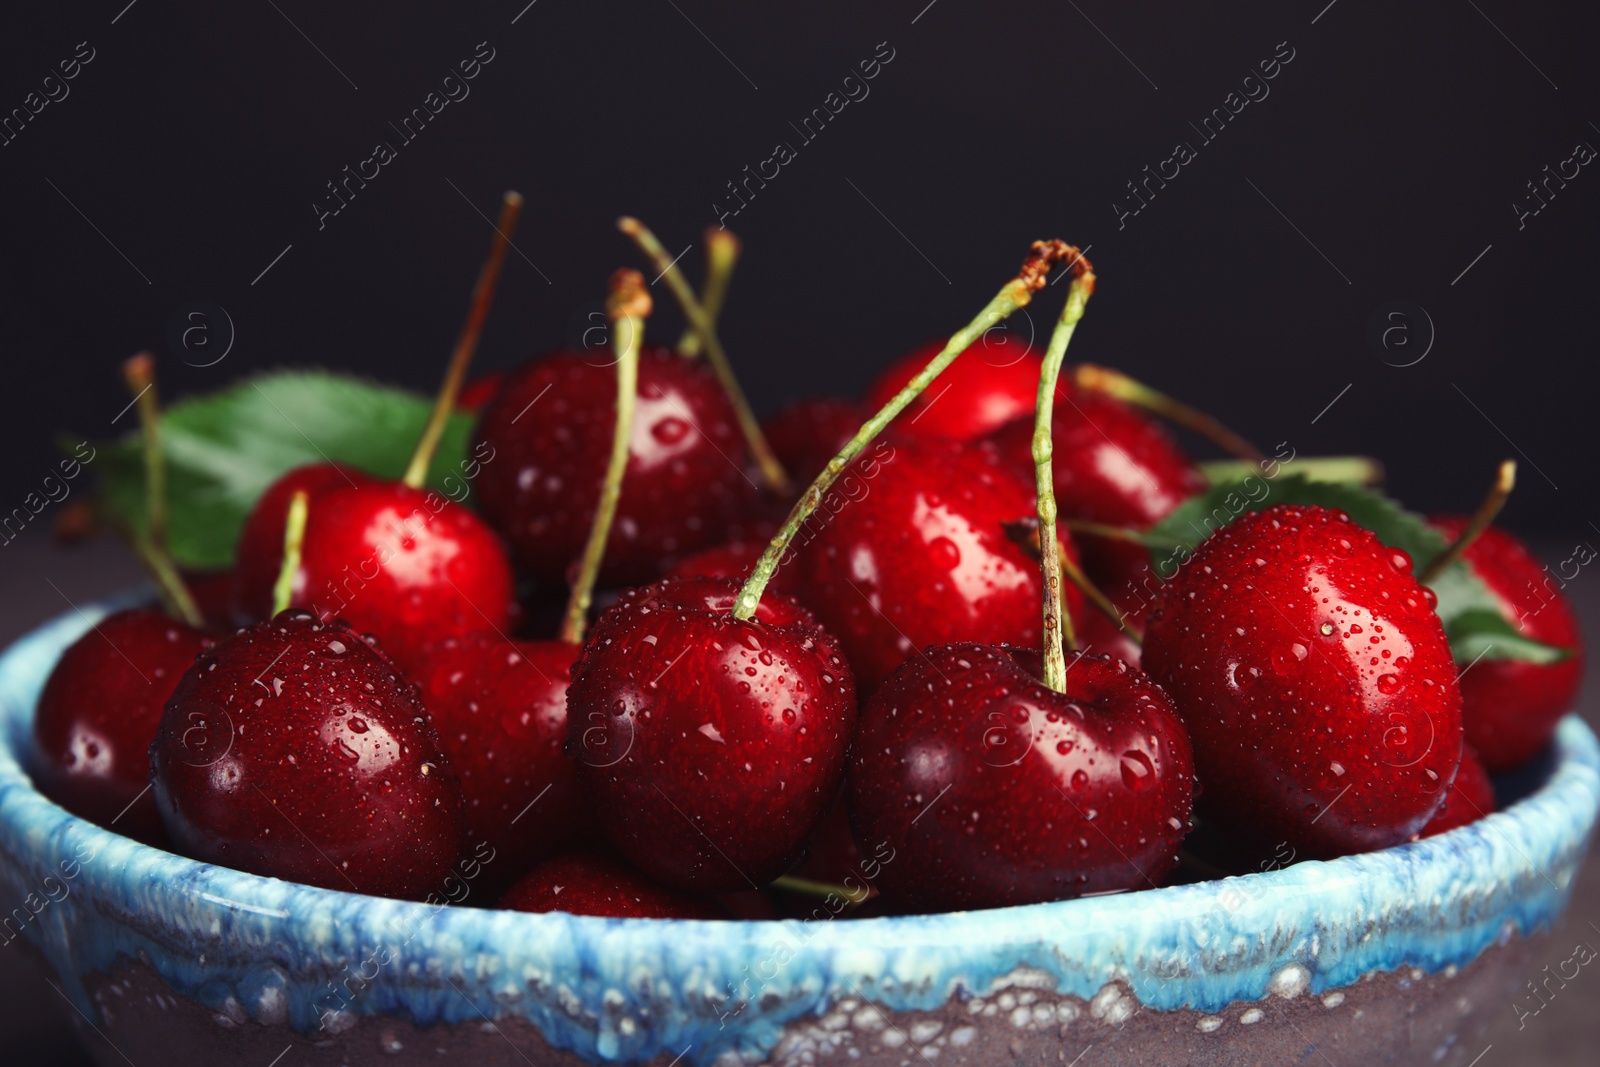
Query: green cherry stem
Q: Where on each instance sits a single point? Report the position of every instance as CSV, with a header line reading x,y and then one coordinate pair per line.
x,y
1057,622
1119,386
628,304
139,372
722,255
661,260
1142,538
444,405
1505,480
810,888
294,539
1015,294
1350,470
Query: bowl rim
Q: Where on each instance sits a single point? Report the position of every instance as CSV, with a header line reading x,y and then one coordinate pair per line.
x,y
1432,903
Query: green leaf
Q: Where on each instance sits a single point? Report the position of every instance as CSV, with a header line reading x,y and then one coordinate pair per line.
x,y
1465,603
224,448
1478,635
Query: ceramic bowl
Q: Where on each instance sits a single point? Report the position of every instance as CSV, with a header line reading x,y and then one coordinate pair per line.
x,y
1395,956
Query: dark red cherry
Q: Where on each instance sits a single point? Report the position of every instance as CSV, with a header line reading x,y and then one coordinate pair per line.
x,y
405,565
294,749
500,708
735,559
258,558
1471,797
994,790
1097,633
1315,680
916,554
1510,708
1113,466
98,714
709,746
992,382
807,434
597,885
550,429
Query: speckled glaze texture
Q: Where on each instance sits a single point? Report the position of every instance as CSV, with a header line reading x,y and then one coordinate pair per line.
x,y
267,964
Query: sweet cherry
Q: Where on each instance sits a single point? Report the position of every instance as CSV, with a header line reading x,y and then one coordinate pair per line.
x,y
735,560
500,708
1315,680
709,745
994,381
294,749
917,554
1510,708
995,790
598,885
807,434
99,710
550,427
259,554
1471,797
1113,466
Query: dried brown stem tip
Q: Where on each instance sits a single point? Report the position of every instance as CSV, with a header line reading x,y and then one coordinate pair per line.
x,y
629,296
1045,255
139,371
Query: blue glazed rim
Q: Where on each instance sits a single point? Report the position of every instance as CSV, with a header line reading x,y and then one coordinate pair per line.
x,y
627,990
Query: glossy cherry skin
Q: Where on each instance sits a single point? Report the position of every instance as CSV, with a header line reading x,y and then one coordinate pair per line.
x,y
550,428
917,554
296,750
1471,797
1510,709
736,559
1315,680
993,790
1113,466
591,884
258,558
709,746
404,565
500,708
99,711
992,382
807,434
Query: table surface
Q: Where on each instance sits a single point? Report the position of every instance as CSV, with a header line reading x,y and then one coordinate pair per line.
x,y
40,579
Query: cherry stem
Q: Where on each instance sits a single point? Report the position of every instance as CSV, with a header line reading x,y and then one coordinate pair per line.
x,y
772,471
854,897
1346,470
722,254
294,539
1057,621
444,405
139,372
1015,294
1142,538
1119,386
1504,481
628,304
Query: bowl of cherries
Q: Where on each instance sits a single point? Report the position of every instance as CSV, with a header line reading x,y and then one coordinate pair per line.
x,y
577,716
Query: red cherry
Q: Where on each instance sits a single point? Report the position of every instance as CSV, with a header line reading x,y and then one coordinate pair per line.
x,y
992,382
259,555
916,554
476,394
994,790
1471,797
596,885
1510,708
550,432
1112,466
98,712
295,750
500,708
709,745
1315,680
735,560
1097,633
404,565
806,435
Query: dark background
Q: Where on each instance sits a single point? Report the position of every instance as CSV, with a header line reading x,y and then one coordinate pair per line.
x,y
1395,143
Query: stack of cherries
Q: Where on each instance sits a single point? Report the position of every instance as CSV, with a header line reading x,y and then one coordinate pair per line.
x,y
903,683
